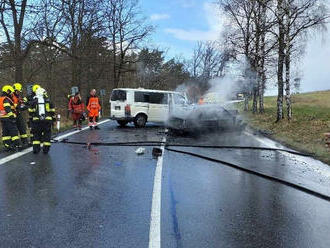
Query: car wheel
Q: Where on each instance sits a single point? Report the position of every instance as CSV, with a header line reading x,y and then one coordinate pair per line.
x,y
140,120
122,123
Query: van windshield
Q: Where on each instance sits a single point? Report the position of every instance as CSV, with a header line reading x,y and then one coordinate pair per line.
x,y
118,95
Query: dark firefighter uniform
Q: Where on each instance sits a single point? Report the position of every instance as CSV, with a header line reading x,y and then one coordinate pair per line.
x,y
30,98
8,120
42,116
20,105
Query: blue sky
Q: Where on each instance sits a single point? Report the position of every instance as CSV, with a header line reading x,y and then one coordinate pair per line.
x,y
180,24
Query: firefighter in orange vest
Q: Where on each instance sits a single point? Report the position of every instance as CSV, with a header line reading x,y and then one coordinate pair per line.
x,y
8,120
20,103
93,107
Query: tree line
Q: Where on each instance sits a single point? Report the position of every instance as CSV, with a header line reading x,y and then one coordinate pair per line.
x,y
104,44
84,43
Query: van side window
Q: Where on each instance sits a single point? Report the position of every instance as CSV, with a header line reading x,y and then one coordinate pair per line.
x,y
158,98
118,95
140,96
151,97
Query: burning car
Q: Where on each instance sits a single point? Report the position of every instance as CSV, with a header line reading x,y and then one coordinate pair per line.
x,y
212,112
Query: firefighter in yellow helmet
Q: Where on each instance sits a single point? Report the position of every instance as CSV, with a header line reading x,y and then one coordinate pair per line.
x,y
20,103
35,87
32,91
8,120
42,115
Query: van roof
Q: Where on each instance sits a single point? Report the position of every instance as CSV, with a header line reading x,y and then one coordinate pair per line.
x,y
147,90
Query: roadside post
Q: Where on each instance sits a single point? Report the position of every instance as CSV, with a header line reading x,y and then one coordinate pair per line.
x,y
58,123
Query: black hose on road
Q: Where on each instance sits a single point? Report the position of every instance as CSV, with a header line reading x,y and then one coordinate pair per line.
x,y
275,179
153,143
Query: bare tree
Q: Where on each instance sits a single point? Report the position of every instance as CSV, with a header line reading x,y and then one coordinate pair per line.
x,y
12,16
246,37
209,60
81,18
126,28
261,29
299,18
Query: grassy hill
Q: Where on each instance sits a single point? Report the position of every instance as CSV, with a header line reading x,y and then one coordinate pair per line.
x,y
305,132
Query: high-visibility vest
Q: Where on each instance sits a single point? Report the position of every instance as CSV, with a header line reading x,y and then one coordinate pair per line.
x,y
93,103
6,102
19,102
78,108
15,99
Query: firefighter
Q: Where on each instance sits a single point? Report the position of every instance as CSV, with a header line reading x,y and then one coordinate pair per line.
x,y
30,98
8,120
42,115
20,103
93,107
77,107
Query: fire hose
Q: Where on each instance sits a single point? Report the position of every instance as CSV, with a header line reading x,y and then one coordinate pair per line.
x,y
232,165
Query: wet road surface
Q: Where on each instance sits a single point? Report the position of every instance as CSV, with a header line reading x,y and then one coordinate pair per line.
x,y
103,197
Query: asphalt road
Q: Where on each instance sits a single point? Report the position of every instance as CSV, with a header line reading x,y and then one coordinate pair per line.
x,y
108,196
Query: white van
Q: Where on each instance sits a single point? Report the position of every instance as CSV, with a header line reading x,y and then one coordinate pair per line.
x,y
141,105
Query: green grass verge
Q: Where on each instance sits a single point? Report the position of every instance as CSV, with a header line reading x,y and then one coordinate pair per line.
x,y
305,132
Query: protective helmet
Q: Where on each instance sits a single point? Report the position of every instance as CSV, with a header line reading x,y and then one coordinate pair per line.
x,y
17,86
35,87
7,88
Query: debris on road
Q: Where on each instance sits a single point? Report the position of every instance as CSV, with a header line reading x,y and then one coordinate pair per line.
x,y
156,152
140,151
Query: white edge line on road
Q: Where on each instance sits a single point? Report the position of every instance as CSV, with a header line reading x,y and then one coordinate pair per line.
x,y
297,157
14,156
257,138
155,217
27,150
77,131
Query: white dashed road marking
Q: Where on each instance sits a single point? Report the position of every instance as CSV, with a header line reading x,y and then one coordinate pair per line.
x,y
155,218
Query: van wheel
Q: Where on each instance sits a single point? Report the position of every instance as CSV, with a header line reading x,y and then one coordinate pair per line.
x,y
122,123
140,120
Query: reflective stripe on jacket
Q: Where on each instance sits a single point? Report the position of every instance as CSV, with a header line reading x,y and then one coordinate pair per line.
x,y
34,111
6,107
